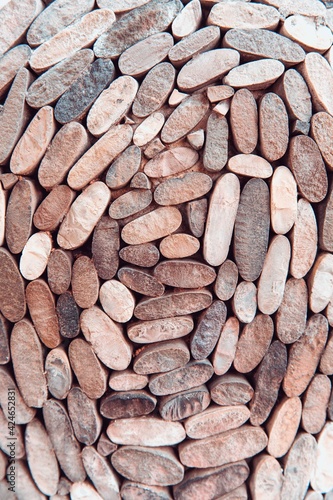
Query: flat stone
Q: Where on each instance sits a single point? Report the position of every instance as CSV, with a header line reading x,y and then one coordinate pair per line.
x,y
132,489
315,404
226,281
206,68
59,271
145,431
68,315
78,223
274,274
58,373
188,20
10,64
255,75
155,147
242,15
147,332
180,245
283,425
53,208
311,177
85,282
161,357
145,254
67,146
304,238
117,301
230,389
244,301
140,281
255,44
24,413
69,40
148,129
324,222
318,75
200,41
171,162
99,156
125,166
148,19
291,315
225,350
184,404
120,5
154,89
184,118
151,226
140,181
196,214
321,130
291,87
54,18
215,154
176,98
250,165
208,330
252,226
283,200
266,478
320,283
130,203
127,380
318,38
12,297
322,478
221,219
76,101
179,190
244,121
35,255
105,247
273,127
118,405
184,273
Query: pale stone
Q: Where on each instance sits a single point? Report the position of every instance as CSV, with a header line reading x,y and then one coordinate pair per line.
x,y
255,75
250,165
242,15
188,20
152,226
283,200
148,129
307,32
35,255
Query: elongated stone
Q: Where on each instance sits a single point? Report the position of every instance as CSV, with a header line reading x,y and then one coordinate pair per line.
x,y
145,254
130,203
208,330
252,229
53,208
24,413
317,39
170,162
244,108
75,102
127,380
322,478
216,147
291,87
59,271
283,200
244,16
184,404
148,129
58,373
140,281
148,19
179,245
85,282
196,212
196,43
230,389
71,39
146,332
127,404
315,404
54,82
119,5
320,283
100,472
188,20
184,273
105,246
225,351
84,416
35,255
318,75
273,127
68,315
179,190
117,301
10,64
250,165
12,298
291,315
321,130
255,75
132,489
283,425
304,237
266,478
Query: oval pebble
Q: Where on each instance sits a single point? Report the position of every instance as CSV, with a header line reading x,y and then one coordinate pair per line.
x,y
117,301
35,255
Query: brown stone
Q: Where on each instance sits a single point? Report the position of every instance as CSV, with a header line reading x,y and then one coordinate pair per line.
x,y
244,16
273,127
28,365
225,351
255,44
231,390
170,162
252,229
196,214
217,481
147,332
124,167
266,478
127,404
48,87
200,41
315,404
100,472
304,356
65,445
90,373
23,413
283,200
321,130
14,114
42,310
216,146
148,19
226,281
12,298
184,273
223,448
53,208
318,75
154,90
206,68
84,416
10,64
65,149
218,93
155,466
59,271
8,180
71,39
180,190
75,102
4,343
117,301
184,404
268,379
295,94
145,255
127,380
58,373
184,118
303,240
326,361
180,245
283,425
253,343
85,283
291,315
68,315
105,247
255,75
131,490
140,281
243,109
104,445
208,330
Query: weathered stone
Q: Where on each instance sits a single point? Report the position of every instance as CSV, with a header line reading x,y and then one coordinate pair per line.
x,y
255,75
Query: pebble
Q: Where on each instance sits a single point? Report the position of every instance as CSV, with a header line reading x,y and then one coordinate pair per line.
x,y
200,41
250,165
273,127
244,121
318,75
171,162
255,75
243,15
124,167
307,33
148,129
188,20
10,63
180,190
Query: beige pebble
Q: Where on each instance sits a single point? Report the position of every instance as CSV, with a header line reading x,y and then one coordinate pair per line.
x,y
206,68
274,274
225,350
83,216
184,118
244,121
320,282
170,162
10,64
155,147
221,219
255,75
83,490
283,425
321,132
226,281
307,32
196,139
117,301
266,479
148,129
127,380
318,75
304,238
315,403
244,301
112,105
120,5
152,226
140,181
177,246
176,98
147,332
219,93
99,156
243,15
33,144
250,165
322,477
283,200
200,41
35,255
179,190
71,39
222,107
188,20
145,54
291,87
273,127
